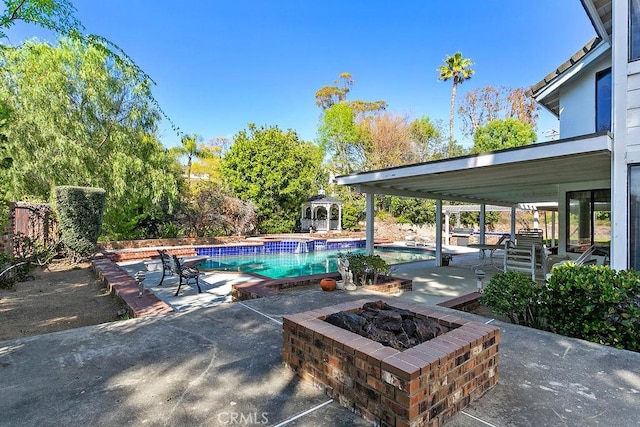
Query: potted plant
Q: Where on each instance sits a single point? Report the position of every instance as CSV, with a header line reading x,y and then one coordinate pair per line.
x,y
445,259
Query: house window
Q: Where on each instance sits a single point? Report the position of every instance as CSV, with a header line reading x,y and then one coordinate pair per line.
x,y
634,217
603,100
589,219
634,30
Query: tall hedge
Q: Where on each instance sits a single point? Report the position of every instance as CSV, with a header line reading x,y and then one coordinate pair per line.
x,y
80,212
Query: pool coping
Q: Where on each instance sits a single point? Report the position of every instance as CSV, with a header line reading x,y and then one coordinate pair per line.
x,y
125,287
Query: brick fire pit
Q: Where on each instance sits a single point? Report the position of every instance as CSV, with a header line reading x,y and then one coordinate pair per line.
x,y
423,385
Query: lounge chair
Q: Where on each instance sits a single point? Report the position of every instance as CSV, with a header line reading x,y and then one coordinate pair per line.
x,y
585,258
423,241
410,239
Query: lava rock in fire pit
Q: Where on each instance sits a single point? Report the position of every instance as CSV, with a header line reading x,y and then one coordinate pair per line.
x,y
388,325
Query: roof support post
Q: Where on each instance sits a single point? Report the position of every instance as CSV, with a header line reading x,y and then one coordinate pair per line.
x,y
553,228
513,224
439,232
370,224
447,215
483,208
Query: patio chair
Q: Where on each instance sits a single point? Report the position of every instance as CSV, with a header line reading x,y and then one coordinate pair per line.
x,y
585,258
171,264
527,257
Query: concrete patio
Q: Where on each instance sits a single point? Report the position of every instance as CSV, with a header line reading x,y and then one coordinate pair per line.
x,y
220,364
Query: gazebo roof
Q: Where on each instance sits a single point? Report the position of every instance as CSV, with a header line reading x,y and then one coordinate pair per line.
x,y
323,198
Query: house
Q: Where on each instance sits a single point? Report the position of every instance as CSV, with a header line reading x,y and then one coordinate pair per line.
x,y
591,172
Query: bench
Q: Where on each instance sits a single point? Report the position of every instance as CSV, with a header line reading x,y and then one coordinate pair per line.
x,y
172,265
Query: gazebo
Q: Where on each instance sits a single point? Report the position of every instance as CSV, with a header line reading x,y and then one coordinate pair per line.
x,y
321,213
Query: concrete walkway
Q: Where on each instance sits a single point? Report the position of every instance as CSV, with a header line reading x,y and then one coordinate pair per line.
x,y
221,365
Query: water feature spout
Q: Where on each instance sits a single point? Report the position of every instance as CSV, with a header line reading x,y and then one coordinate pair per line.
x,y
302,247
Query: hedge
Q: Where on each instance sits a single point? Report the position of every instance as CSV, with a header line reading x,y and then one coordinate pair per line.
x,y
79,211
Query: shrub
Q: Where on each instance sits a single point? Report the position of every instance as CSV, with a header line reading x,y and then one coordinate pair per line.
x,y
363,266
80,212
594,303
516,296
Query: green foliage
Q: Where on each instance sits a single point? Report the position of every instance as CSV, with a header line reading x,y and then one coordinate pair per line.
x,y
500,134
275,171
595,303
426,138
457,69
341,138
34,251
59,16
514,295
79,211
413,211
209,210
353,212
366,269
79,118
55,15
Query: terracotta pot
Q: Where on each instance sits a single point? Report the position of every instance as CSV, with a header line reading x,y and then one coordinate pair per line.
x,y
328,284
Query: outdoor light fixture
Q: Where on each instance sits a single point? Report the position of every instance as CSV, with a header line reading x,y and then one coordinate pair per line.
x,y
140,279
479,276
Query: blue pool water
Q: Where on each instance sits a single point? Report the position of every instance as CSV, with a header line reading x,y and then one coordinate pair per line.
x,y
283,265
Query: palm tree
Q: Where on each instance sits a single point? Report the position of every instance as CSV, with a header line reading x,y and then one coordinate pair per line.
x,y
191,149
459,69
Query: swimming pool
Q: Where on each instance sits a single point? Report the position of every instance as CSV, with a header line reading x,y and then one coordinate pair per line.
x,y
284,265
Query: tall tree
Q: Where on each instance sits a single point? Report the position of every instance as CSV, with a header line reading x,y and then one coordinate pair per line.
x,y
328,95
340,134
500,134
192,148
483,105
275,171
388,140
341,139
80,118
426,140
59,16
457,69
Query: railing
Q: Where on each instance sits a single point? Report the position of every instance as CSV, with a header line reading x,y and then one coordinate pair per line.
x,y
319,224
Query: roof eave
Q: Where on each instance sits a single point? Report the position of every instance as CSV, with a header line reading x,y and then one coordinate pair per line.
x,y
545,92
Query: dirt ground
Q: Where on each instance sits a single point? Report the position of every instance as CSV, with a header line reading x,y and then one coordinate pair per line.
x,y
61,297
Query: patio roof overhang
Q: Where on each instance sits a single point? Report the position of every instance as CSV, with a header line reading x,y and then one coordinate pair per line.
x,y
527,174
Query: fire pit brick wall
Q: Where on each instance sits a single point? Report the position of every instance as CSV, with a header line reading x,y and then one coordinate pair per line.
x,y
422,386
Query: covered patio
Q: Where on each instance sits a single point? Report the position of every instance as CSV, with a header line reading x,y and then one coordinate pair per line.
x,y
538,173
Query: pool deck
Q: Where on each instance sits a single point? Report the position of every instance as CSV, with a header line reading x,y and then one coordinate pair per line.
x,y
220,364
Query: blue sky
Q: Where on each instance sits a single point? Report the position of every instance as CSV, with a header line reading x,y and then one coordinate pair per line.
x,y
219,65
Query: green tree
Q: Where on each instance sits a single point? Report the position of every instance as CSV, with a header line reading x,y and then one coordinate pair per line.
x,y
59,16
275,171
483,105
413,211
341,134
192,149
500,134
81,118
426,140
457,69
341,139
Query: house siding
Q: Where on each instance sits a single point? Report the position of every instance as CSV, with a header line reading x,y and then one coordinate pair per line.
x,y
578,101
633,110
